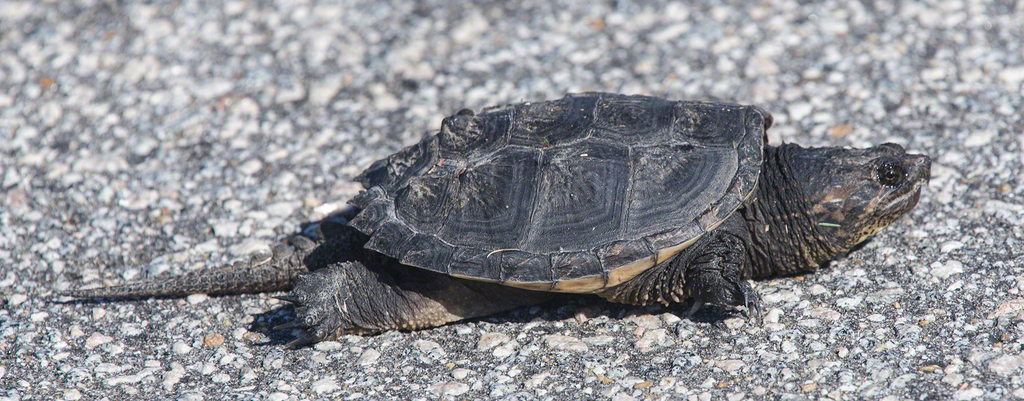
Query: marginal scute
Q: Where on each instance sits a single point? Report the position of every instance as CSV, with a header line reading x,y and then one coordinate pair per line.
x,y
621,253
672,237
567,266
393,236
633,119
473,263
427,250
524,267
374,205
549,124
391,171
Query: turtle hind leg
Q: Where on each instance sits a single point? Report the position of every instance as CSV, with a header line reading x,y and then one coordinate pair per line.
x,y
355,298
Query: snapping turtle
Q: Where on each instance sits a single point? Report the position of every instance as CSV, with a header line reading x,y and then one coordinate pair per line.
x,y
636,199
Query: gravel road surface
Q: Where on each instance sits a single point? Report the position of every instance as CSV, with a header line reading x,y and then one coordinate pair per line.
x,y
139,140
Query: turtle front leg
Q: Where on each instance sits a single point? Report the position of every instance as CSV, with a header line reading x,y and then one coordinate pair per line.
x,y
716,276
357,298
712,271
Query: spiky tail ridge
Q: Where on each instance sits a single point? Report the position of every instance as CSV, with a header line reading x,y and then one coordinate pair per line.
x,y
263,272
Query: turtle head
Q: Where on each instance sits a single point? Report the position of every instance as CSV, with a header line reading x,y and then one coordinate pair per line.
x,y
851,194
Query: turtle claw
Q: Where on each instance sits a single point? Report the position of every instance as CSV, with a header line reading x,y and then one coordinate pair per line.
x,y
693,310
290,298
300,342
752,301
323,303
295,324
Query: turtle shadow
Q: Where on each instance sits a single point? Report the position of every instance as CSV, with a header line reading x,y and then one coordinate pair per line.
x,y
562,308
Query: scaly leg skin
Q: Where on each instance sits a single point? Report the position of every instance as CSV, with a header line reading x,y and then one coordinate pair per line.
x,y
716,277
709,272
355,298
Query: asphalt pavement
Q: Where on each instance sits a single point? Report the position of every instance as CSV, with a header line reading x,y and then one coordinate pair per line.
x,y
140,140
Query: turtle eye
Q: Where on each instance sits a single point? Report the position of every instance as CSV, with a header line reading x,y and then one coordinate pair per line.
x,y
891,173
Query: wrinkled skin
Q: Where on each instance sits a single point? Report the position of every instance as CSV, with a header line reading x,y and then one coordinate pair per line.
x,y
811,205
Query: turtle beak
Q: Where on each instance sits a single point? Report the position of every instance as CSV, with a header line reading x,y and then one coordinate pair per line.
x,y
920,167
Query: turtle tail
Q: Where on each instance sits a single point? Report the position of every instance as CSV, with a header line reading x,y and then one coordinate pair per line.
x,y
262,272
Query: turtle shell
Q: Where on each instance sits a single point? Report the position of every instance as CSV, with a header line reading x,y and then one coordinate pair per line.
x,y
571,195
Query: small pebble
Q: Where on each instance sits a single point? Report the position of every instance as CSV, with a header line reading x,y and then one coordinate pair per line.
x,y
505,350
368,357
1006,365
97,339
328,384
449,388
491,340
181,348
565,343
943,271
461,373
18,299
213,340
72,395
536,380
730,365
824,313
328,346
196,299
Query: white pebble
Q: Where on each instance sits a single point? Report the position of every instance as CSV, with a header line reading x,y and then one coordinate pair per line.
x,y
824,313
173,376
1012,76
196,299
505,350
250,167
327,346
943,271
490,340
16,299
536,380
449,388
368,357
565,343
97,339
290,95
798,111
321,93
461,373
181,348
220,378
730,365
108,368
980,138
470,29
245,107
72,395
325,385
